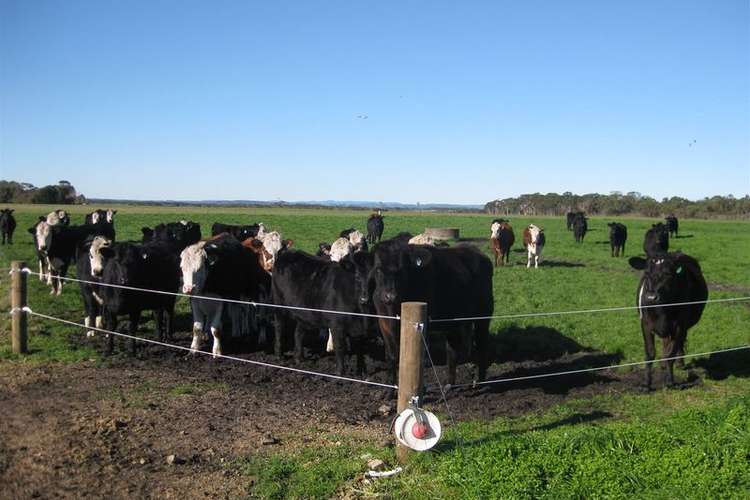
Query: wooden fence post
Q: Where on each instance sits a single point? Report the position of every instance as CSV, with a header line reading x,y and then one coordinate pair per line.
x,y
19,322
410,360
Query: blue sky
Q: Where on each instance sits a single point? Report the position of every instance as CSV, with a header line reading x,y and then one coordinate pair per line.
x,y
465,101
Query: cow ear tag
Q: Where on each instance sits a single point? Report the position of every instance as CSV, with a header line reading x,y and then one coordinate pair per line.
x,y
679,270
145,256
419,262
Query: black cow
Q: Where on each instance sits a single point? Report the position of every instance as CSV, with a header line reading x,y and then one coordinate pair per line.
x,y
454,282
618,235
569,218
7,225
375,228
89,274
580,226
152,266
221,268
176,235
302,280
668,279
656,241
672,225
240,232
58,245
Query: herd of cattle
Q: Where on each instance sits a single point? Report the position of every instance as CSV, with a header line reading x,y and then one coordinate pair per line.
x,y
355,273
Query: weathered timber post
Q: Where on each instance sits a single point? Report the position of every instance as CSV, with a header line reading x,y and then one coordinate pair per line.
x,y
413,323
19,322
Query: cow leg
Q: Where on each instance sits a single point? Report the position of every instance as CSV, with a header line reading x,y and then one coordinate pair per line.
x,y
648,342
197,334
159,320
452,348
135,318
668,351
536,261
340,349
280,333
387,330
330,344
216,351
299,337
528,259
110,322
481,348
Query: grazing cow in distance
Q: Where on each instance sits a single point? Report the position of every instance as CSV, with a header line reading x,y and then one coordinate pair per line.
x,y
302,280
455,282
669,278
241,233
569,218
220,268
533,240
151,266
580,226
7,225
501,240
618,234
672,225
375,228
656,240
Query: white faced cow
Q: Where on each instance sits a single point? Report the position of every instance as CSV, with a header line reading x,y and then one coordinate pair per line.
x,y
533,239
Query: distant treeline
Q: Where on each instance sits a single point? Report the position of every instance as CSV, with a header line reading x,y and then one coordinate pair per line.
x,y
63,193
620,204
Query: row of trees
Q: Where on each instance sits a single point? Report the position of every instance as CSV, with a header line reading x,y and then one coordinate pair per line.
x,y
63,193
616,203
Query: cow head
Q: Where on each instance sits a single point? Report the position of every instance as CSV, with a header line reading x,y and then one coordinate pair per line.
x,y
43,234
340,249
268,249
193,263
358,241
99,251
324,250
360,264
664,278
395,268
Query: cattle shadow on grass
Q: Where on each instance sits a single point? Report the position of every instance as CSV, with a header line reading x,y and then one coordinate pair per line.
x,y
575,419
721,365
558,263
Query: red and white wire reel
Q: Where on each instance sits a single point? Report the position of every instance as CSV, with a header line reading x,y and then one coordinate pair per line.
x,y
416,428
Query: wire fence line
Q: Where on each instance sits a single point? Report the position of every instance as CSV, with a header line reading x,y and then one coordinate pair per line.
x,y
216,299
206,353
397,317
599,368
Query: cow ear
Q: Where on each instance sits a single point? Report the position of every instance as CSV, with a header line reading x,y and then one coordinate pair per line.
x,y
42,218
211,259
420,257
637,263
256,245
32,230
287,244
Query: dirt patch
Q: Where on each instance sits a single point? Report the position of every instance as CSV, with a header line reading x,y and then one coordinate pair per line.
x,y
109,430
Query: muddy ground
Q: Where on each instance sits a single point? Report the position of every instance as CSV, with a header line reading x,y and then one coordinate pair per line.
x,y
106,429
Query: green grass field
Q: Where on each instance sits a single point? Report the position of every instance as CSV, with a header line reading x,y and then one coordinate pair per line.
x,y
691,443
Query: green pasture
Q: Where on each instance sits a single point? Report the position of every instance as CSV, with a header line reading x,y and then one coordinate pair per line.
x,y
691,443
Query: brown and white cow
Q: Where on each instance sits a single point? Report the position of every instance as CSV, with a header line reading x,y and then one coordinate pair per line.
x,y
501,241
533,240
